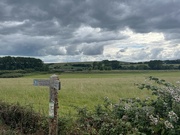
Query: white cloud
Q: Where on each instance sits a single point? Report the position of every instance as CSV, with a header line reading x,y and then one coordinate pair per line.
x,y
12,23
141,47
143,38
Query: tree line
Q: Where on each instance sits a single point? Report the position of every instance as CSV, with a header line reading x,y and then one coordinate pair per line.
x,y
16,63
150,65
27,63
117,65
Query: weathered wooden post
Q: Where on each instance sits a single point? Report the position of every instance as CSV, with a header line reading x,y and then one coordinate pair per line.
x,y
53,104
54,85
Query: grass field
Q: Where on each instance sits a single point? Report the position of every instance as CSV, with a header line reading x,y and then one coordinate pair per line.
x,y
80,89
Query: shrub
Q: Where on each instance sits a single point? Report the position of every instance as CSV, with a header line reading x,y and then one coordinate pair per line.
x,y
135,116
11,75
21,118
26,121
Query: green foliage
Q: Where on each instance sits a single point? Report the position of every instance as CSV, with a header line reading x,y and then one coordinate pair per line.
x,y
21,118
155,64
135,116
105,65
14,63
11,75
9,132
14,71
25,121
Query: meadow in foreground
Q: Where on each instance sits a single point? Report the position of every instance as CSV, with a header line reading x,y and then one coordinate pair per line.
x,y
80,89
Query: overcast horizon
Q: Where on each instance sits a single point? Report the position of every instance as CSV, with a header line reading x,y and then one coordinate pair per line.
x,y
90,30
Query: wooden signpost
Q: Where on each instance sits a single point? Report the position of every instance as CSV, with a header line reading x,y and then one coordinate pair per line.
x,y
54,85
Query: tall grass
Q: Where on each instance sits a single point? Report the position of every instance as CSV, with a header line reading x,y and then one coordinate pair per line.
x,y
79,89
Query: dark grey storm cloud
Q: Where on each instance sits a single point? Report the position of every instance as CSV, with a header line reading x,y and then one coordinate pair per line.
x,y
73,50
17,45
93,49
140,15
61,27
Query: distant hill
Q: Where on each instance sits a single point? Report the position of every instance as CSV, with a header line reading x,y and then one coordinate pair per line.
x,y
115,65
33,64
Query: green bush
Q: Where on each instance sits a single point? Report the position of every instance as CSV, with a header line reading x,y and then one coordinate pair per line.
x,y
134,116
25,121
21,118
9,132
11,75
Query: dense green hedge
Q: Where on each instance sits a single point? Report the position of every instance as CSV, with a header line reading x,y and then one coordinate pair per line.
x,y
25,121
20,118
11,75
134,116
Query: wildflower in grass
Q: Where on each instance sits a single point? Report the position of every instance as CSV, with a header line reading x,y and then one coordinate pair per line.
x,y
175,93
177,98
130,100
168,124
147,98
127,107
125,117
165,104
173,116
153,120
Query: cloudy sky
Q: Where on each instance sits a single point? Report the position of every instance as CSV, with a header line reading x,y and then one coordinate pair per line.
x,y
90,30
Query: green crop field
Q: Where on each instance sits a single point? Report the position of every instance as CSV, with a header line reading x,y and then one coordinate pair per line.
x,y
80,89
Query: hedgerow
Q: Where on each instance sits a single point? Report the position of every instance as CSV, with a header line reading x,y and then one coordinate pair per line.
x,y
25,121
158,116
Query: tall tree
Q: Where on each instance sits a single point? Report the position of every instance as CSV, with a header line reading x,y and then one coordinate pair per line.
x,y
155,64
14,63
